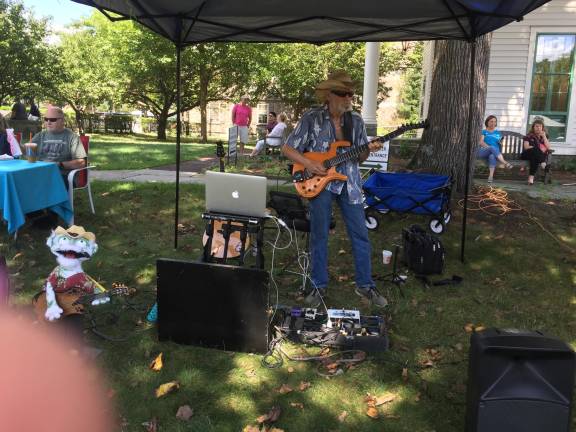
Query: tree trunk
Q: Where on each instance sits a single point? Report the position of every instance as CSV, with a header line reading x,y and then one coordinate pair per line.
x,y
443,147
203,96
162,123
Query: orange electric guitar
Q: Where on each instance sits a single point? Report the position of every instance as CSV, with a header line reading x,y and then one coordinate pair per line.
x,y
75,303
309,185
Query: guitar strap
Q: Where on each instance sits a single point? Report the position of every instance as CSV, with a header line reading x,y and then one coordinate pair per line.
x,y
347,126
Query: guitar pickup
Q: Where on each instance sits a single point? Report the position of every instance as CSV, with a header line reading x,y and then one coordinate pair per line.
x,y
298,176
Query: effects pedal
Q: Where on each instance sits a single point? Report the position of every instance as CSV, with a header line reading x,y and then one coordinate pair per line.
x,y
339,328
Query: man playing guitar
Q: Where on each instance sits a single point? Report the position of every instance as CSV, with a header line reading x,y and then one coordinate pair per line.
x,y
317,129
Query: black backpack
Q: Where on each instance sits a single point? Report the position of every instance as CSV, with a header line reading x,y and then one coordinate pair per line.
x,y
423,252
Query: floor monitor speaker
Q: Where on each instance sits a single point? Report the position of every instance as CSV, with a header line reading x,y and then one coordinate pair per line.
x,y
212,305
519,381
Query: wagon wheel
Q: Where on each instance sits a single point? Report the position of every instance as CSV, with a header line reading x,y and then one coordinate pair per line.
x,y
447,217
371,221
436,226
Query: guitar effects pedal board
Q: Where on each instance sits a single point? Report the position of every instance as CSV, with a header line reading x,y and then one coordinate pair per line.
x,y
341,328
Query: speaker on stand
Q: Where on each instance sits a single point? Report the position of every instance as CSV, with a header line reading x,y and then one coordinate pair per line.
x,y
519,381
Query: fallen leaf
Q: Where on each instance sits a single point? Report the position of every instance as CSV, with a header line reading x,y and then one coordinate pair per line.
x,y
372,412
405,374
459,346
469,328
332,366
341,252
271,416
157,364
18,255
342,416
151,425
297,405
385,398
251,428
285,388
290,369
105,194
184,412
304,385
479,328
166,388
342,278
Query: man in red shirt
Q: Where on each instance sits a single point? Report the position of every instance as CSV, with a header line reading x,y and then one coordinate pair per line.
x,y
241,117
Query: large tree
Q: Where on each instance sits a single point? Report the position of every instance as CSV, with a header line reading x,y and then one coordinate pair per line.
x,y
27,63
295,69
87,78
443,147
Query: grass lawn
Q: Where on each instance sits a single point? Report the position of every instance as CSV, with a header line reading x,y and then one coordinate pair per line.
x,y
119,152
515,275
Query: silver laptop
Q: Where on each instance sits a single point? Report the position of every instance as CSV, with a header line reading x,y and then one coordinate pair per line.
x,y
236,194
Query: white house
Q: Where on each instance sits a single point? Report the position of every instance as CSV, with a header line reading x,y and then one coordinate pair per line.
x,y
531,74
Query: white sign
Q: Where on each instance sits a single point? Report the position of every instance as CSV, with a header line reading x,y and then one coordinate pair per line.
x,y
232,141
377,160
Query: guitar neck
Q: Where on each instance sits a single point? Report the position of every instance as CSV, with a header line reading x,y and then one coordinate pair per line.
x,y
90,297
355,152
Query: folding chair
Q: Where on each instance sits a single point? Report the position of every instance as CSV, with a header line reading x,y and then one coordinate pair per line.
x,y
79,178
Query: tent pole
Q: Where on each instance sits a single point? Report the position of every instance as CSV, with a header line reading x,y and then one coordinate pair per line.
x,y
178,128
469,143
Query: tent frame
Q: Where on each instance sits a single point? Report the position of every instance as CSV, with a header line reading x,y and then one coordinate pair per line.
x,y
184,30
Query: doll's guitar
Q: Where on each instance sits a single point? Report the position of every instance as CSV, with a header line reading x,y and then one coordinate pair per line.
x,y
75,303
309,185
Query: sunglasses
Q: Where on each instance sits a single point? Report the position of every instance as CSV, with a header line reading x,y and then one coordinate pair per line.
x,y
52,119
342,93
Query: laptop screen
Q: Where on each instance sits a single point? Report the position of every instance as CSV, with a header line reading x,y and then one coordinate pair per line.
x,y
236,194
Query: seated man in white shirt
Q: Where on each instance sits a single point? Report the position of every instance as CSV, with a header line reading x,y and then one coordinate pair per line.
x,y
273,138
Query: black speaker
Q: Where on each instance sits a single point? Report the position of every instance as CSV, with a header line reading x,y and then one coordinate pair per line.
x,y
212,305
519,381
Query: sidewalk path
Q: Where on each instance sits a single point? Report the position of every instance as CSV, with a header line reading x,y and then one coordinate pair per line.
x,y
164,175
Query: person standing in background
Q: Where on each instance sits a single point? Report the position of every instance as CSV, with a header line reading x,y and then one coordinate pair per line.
x,y
241,117
18,111
34,113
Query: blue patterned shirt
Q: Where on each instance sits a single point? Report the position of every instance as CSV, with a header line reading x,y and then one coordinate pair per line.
x,y
315,132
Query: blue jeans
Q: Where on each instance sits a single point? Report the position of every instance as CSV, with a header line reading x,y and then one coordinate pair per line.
x,y
353,214
490,153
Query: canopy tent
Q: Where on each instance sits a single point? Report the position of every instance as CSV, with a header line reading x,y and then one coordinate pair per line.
x,y
187,22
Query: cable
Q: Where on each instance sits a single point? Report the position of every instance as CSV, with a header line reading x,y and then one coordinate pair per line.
x,y
495,202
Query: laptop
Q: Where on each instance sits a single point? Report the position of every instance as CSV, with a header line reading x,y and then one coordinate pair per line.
x,y
236,194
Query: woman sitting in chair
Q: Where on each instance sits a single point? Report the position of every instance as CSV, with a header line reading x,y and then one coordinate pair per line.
x,y
273,138
490,146
8,142
536,147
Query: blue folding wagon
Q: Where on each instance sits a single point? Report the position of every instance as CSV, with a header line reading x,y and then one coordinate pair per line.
x,y
422,194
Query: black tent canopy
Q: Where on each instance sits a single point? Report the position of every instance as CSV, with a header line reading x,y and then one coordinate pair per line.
x,y
187,22
192,21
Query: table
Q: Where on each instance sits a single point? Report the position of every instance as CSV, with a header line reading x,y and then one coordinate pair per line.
x,y
26,187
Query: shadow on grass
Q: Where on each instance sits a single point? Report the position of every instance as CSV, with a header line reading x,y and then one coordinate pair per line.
x,y
515,275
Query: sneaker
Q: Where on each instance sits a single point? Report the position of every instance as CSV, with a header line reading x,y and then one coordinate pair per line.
x,y
314,299
373,296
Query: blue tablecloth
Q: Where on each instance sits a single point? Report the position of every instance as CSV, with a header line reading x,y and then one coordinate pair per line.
x,y
26,187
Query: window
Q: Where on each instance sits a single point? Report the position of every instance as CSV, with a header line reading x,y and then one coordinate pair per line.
x,y
552,82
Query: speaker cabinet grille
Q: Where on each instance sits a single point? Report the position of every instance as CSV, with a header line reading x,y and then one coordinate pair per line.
x,y
519,381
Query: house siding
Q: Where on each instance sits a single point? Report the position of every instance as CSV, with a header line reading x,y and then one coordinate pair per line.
x,y
510,70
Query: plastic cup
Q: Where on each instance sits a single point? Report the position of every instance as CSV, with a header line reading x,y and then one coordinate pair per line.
x,y
386,257
30,149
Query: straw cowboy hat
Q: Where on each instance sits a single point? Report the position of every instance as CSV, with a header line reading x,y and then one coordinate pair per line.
x,y
339,80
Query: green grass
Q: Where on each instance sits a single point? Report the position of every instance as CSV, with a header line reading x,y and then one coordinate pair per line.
x,y
123,152
515,275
